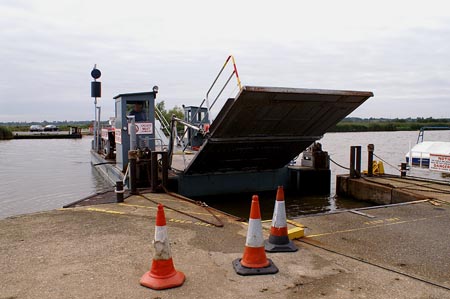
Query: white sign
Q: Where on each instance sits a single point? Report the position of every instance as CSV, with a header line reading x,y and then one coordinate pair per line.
x,y
440,162
105,134
142,128
118,136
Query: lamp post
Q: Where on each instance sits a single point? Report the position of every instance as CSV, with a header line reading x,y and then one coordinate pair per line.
x,y
96,92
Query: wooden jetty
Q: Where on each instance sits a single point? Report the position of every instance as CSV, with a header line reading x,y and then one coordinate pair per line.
x,y
74,132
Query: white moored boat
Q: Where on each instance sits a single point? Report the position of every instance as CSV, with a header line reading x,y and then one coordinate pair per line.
x,y
420,153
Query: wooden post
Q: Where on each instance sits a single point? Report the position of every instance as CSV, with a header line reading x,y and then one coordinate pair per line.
x,y
403,170
370,150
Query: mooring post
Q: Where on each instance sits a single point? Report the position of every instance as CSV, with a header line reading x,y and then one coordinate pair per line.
x,y
370,150
132,158
119,191
355,161
403,170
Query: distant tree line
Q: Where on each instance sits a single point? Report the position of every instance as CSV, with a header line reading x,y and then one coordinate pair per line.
x,y
62,125
349,124
354,124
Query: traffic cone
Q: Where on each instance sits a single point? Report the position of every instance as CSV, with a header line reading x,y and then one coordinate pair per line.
x,y
162,274
254,260
278,240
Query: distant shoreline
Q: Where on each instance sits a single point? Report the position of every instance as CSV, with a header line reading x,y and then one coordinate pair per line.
x,y
387,125
349,124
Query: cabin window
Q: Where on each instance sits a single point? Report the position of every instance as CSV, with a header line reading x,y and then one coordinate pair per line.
x,y
139,110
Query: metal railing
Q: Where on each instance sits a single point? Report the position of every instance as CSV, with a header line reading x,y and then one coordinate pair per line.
x,y
206,99
429,128
233,73
209,106
165,124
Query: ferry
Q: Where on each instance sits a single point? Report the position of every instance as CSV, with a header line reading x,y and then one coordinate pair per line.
x,y
247,147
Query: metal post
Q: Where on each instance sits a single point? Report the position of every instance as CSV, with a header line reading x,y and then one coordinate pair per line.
x,y
132,158
96,93
410,155
165,168
154,171
355,161
133,144
403,170
352,162
98,129
119,191
173,134
370,150
358,161
95,125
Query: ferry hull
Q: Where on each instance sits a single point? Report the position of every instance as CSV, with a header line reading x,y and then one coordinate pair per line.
x,y
106,168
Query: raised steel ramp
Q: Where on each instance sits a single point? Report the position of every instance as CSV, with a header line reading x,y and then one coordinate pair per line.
x,y
266,127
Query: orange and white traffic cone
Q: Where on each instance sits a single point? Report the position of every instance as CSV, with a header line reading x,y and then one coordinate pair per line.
x,y
254,260
162,274
278,240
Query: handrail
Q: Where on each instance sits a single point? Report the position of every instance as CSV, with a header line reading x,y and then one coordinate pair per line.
x,y
208,107
173,133
235,72
423,129
165,124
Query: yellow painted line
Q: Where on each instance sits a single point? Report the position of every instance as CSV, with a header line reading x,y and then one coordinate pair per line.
x,y
373,222
373,226
189,222
154,208
161,198
137,206
105,211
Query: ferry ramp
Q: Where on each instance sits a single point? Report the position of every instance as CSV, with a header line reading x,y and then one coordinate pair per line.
x,y
264,128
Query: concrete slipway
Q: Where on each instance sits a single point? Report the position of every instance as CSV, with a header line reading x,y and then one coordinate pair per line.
x,y
102,251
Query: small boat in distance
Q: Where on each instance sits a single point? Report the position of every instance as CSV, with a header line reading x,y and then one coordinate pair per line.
x,y
420,153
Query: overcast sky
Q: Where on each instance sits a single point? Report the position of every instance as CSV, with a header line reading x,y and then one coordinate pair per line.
x,y
400,50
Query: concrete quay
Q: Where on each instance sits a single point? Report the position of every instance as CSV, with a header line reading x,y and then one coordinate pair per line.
x,y
102,251
389,189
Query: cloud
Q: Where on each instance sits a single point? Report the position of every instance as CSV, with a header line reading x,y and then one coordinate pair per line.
x,y
48,50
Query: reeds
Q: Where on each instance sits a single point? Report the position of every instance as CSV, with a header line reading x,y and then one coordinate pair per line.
x,y
5,133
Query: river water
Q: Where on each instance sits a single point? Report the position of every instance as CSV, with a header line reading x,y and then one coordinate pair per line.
x,y
38,175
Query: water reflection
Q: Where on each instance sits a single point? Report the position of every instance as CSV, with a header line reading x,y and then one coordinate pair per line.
x,y
296,204
37,175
